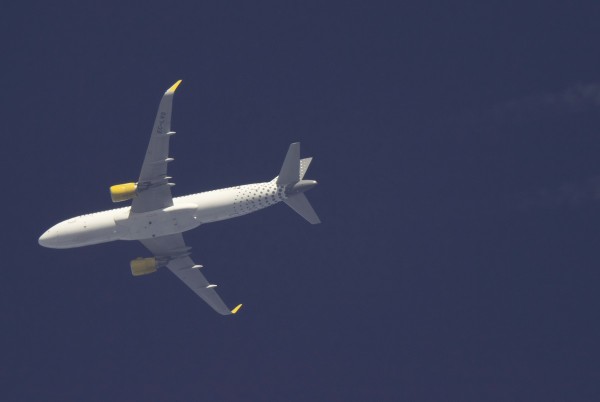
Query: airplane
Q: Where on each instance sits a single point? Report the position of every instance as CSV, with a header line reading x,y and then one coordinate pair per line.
x,y
158,220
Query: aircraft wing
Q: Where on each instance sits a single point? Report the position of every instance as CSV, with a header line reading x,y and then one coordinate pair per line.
x,y
174,249
154,191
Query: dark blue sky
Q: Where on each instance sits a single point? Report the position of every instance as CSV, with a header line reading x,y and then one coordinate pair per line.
x,y
457,150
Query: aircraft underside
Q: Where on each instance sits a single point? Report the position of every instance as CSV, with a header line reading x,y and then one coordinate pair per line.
x,y
158,220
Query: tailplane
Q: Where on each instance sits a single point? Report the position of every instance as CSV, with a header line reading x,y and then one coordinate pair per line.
x,y
300,204
291,176
304,164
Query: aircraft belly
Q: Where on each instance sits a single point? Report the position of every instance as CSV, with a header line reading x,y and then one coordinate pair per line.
x,y
83,231
171,220
92,236
216,205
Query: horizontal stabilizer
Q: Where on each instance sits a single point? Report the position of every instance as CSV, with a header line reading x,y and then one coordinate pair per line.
x,y
304,164
300,204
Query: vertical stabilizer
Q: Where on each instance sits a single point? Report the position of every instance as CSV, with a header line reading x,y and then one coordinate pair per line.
x,y
291,177
290,170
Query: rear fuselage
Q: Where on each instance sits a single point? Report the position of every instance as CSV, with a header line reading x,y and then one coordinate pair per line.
x,y
186,213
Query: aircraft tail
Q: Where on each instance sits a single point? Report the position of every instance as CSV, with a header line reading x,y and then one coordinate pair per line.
x,y
291,176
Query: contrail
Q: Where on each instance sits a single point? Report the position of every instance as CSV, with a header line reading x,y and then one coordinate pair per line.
x,y
574,99
512,117
570,195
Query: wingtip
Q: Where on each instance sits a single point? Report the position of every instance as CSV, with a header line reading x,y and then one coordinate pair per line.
x,y
173,87
235,310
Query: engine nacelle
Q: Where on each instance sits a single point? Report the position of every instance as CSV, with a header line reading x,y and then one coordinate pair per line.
x,y
123,192
143,266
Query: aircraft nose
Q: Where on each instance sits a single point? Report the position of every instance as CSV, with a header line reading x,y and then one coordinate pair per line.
x,y
45,240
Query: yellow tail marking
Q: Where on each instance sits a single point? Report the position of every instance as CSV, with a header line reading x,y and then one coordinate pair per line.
x,y
235,310
174,87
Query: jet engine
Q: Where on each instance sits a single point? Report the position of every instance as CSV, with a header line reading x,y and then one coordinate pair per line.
x,y
143,266
123,192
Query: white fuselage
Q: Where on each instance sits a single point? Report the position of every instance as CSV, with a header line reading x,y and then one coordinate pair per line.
x,y
186,213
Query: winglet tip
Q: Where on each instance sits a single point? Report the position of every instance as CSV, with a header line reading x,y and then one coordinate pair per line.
x,y
235,310
173,87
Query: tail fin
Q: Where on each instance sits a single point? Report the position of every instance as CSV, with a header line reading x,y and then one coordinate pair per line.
x,y
293,168
290,170
290,176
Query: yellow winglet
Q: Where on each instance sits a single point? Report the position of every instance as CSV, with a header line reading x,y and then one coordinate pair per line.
x,y
174,87
235,310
